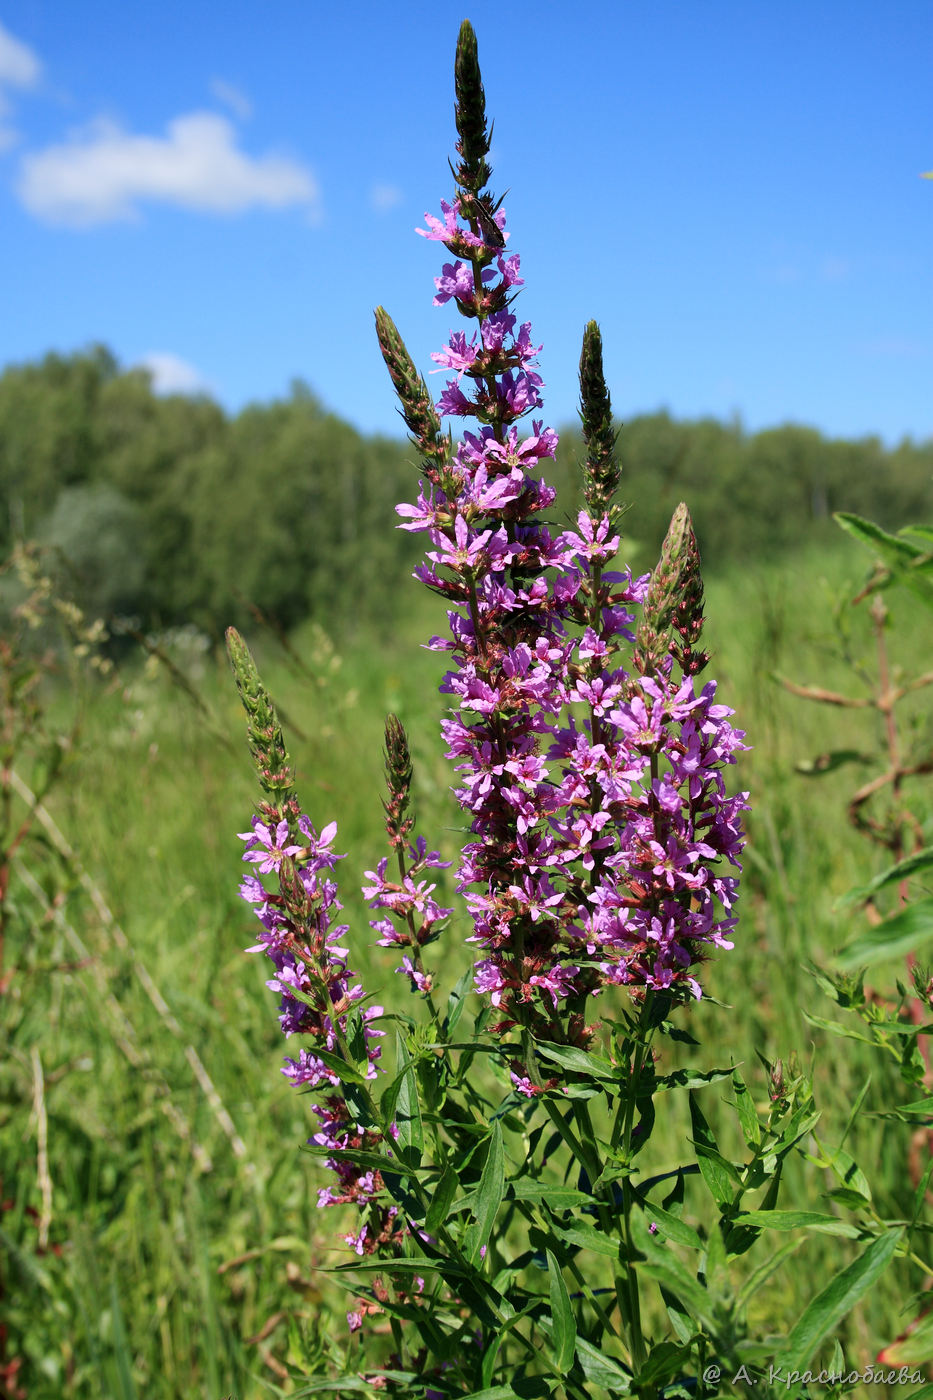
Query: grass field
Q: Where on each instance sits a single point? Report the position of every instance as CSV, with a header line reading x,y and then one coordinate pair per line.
x,y
159,1224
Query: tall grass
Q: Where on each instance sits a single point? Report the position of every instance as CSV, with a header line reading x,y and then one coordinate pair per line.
x,y
183,1239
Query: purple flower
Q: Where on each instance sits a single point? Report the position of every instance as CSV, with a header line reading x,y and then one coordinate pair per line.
x,y
460,354
268,848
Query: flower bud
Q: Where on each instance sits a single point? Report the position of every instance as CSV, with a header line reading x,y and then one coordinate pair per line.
x,y
398,781
673,611
470,113
601,471
266,741
417,406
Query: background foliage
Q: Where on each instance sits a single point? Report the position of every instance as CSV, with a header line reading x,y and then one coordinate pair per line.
x,y
170,510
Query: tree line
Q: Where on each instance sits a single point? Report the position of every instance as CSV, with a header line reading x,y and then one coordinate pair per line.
x,y
168,509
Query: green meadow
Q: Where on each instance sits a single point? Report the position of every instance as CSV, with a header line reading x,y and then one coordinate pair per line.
x,y
159,1223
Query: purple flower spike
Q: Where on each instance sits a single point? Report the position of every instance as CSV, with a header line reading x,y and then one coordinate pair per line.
x,y
599,820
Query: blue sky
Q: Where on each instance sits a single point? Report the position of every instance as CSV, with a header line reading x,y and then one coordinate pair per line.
x,y
225,191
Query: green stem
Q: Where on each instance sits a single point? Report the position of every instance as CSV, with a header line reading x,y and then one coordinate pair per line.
x,y
625,1115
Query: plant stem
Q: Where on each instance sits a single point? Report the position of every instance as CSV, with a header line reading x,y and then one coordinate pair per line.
x,y
638,1055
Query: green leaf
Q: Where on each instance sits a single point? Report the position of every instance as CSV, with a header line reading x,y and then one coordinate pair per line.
x,y
848,1172
824,1313
798,1126
522,1388
564,1339
439,1209
688,1079
715,1264
920,1194
600,1369
347,1073
901,870
910,929
586,1236
745,1108
401,1266
796,1220
835,1028
497,1335
489,1194
665,1363
719,1174
407,1108
493,1392
456,1001
890,547
569,1057
663,1265
905,562
671,1227
556,1197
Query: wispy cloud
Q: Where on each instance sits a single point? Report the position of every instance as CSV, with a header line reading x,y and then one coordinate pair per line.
x,y
233,97
19,68
102,174
171,374
385,197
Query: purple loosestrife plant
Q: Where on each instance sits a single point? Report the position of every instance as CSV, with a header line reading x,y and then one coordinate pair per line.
x,y
594,792
501,1219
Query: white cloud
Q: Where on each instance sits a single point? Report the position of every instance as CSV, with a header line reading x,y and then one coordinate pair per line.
x,y
232,97
19,66
173,375
104,173
385,197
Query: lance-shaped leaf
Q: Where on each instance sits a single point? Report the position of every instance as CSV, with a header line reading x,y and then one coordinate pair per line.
x,y
720,1175
907,931
439,1209
797,1220
564,1338
407,1107
824,1313
570,1057
903,561
901,870
489,1195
